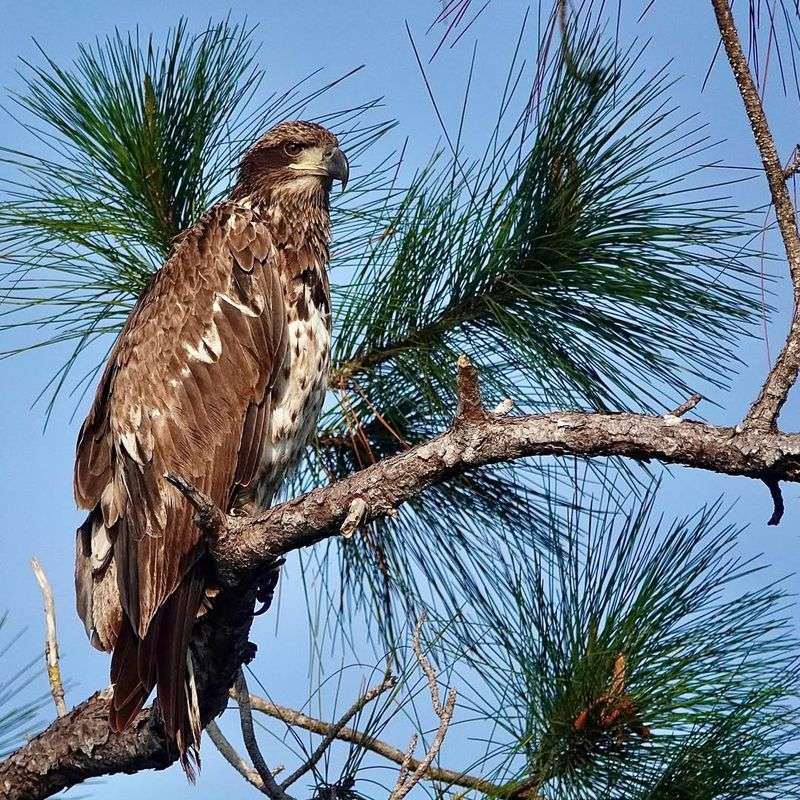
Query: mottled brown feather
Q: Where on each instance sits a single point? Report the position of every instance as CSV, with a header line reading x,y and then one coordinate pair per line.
x,y
187,380
189,389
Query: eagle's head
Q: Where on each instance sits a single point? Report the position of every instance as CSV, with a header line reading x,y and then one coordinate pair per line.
x,y
296,155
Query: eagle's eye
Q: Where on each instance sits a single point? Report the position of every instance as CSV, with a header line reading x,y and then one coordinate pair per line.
x,y
292,148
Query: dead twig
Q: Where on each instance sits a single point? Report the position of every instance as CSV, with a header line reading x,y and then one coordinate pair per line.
x,y
470,405
408,779
685,408
271,787
208,516
388,682
355,516
51,642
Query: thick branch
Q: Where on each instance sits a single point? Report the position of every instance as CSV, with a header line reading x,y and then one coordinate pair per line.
x,y
249,543
79,746
764,412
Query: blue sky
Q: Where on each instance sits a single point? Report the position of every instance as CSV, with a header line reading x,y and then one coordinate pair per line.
x,y
37,516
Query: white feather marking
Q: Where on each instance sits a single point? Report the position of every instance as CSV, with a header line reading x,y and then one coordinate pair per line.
x,y
130,445
212,339
101,546
296,400
199,353
246,310
191,699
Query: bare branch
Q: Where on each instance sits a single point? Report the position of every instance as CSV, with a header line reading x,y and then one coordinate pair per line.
x,y
228,752
254,541
209,517
387,683
271,787
298,719
406,779
763,414
685,408
51,642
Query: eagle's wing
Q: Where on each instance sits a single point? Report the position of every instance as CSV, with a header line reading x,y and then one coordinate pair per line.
x,y
186,391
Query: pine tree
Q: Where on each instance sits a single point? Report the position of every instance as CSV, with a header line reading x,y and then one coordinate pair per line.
x,y
583,261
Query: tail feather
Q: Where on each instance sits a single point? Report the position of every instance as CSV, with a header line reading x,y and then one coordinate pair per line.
x,y
130,693
162,660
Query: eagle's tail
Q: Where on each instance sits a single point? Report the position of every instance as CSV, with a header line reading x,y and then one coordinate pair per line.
x,y
162,660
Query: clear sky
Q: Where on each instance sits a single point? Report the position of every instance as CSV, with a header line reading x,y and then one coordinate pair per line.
x,y
37,516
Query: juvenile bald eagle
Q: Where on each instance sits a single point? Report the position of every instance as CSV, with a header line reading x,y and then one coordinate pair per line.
x,y
218,376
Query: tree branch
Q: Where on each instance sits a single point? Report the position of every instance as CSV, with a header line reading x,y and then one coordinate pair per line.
x,y
51,642
298,719
271,787
79,746
249,543
228,752
244,546
387,683
763,414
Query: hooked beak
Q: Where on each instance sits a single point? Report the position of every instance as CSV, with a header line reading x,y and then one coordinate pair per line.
x,y
337,166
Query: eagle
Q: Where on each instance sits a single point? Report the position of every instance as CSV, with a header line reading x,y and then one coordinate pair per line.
x,y
218,376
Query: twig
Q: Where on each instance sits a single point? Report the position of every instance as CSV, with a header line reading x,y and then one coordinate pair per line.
x,y
271,787
763,414
503,407
685,408
470,405
407,780
209,517
298,719
51,643
388,682
355,516
793,167
777,501
228,752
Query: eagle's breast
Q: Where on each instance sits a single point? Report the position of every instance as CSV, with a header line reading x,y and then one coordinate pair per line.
x,y
300,385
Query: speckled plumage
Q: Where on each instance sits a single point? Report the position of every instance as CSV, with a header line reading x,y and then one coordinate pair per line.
x,y
218,376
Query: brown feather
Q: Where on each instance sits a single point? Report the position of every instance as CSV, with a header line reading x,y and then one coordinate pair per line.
x,y
188,389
